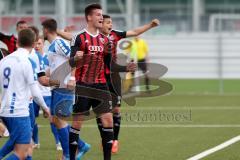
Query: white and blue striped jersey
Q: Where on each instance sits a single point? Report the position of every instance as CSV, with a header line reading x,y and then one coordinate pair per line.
x,y
17,73
58,53
45,61
45,91
38,59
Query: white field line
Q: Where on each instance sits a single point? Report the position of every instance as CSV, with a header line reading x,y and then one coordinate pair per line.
x,y
215,149
205,94
180,108
166,126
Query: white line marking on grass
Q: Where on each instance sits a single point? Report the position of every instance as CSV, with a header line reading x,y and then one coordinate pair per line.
x,y
205,94
182,108
215,149
165,126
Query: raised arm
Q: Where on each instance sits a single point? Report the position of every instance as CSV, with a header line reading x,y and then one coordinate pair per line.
x,y
65,35
142,29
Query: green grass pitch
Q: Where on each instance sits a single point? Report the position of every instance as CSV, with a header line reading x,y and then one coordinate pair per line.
x,y
193,118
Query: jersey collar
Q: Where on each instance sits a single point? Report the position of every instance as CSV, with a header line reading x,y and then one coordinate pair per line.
x,y
91,33
23,51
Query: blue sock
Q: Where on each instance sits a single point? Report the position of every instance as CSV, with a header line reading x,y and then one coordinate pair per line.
x,y
81,143
35,134
55,132
28,158
12,157
63,134
7,148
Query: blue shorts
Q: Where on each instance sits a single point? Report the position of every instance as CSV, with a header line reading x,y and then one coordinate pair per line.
x,y
62,102
36,107
31,115
19,129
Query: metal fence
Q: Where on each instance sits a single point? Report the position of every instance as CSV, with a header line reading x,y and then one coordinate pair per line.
x,y
175,15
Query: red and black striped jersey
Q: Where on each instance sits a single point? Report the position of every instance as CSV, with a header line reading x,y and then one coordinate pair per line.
x,y
114,37
95,47
10,41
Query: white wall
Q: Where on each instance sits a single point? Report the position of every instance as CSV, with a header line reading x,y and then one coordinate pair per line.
x,y
196,55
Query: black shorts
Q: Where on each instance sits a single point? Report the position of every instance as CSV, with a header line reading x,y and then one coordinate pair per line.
x,y
96,96
114,84
142,65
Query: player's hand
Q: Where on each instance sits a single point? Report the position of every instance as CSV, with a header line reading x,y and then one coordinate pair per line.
x,y
71,84
155,22
46,112
54,83
131,67
78,55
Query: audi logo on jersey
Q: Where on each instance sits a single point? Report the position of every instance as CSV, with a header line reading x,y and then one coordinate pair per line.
x,y
95,48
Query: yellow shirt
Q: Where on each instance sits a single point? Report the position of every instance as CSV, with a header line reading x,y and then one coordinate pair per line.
x,y
139,47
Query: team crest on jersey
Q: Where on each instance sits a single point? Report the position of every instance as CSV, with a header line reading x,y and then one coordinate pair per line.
x,y
111,38
86,41
102,40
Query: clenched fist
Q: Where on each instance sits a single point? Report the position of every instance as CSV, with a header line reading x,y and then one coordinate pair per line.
x,y
131,67
155,22
78,55
46,112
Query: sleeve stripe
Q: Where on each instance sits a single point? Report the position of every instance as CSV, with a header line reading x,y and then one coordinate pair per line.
x,y
74,40
41,62
66,50
34,66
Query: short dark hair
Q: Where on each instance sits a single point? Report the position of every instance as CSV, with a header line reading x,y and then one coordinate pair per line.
x,y
20,22
90,8
35,30
106,16
26,38
50,24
